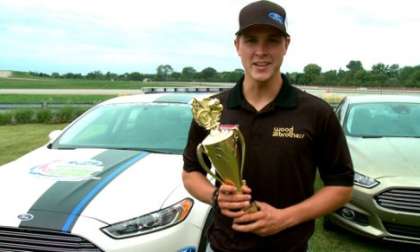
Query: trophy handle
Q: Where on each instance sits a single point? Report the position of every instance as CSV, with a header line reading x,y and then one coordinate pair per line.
x,y
200,150
243,150
253,207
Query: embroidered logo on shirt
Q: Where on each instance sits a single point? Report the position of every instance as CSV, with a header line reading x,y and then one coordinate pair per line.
x,y
287,133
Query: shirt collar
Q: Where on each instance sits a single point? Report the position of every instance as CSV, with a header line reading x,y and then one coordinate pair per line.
x,y
286,98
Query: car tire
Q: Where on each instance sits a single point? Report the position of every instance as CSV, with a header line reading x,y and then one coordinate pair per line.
x,y
203,240
328,224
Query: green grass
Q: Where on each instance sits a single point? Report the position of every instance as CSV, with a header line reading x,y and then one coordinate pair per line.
x,y
20,139
16,140
70,99
49,83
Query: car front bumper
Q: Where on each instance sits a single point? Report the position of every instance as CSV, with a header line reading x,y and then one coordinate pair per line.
x,y
374,213
86,236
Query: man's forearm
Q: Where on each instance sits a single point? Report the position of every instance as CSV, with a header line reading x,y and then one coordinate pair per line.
x,y
198,185
321,203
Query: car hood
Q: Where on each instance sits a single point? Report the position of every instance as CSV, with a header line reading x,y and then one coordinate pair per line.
x,y
386,156
52,188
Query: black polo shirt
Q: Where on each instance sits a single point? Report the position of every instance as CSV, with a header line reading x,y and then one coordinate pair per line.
x,y
286,142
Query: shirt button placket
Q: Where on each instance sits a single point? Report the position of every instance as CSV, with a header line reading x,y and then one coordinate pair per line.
x,y
256,133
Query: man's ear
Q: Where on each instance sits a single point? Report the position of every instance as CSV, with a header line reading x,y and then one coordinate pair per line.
x,y
236,43
287,40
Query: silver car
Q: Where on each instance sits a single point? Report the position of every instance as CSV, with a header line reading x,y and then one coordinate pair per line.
x,y
383,134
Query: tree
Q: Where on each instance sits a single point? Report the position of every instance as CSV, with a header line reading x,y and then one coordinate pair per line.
x,y
176,76
135,76
55,75
415,77
95,75
188,73
405,74
354,66
163,72
72,76
208,74
311,73
329,77
111,76
379,73
360,77
393,71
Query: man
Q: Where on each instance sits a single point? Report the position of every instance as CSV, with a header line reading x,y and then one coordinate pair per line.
x,y
289,134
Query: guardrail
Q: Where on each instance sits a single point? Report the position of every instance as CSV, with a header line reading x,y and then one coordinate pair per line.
x,y
147,90
42,105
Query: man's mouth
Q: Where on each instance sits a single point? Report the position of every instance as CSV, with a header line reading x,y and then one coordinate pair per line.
x,y
261,63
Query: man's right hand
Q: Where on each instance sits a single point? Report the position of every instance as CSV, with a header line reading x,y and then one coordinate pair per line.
x,y
231,201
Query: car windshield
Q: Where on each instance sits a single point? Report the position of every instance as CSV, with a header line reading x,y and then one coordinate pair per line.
x,y
387,119
153,127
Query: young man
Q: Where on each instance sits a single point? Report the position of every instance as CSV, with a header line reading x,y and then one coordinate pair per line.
x,y
289,134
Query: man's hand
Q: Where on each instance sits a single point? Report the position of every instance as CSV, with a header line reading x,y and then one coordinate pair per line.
x,y
270,220
267,221
231,202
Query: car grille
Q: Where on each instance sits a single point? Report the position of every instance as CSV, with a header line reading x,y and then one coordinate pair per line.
x,y
19,239
404,230
406,200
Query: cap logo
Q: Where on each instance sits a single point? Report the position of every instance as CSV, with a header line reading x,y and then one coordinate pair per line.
x,y
276,17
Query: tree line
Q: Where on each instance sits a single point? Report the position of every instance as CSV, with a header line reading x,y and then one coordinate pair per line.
x,y
354,75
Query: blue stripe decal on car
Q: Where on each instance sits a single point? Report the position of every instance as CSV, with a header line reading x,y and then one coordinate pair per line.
x,y
95,190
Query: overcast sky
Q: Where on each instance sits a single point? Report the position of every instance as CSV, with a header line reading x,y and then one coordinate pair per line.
x,y
135,35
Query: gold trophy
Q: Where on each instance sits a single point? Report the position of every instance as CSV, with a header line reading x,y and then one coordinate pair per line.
x,y
224,146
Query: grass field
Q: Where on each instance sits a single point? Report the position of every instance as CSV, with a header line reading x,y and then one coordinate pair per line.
x,y
70,99
16,140
46,83
20,139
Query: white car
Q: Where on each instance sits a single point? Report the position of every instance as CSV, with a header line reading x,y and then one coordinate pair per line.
x,y
110,181
383,134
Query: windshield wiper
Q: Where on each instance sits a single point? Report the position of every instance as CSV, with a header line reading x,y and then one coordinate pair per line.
x,y
151,150
371,136
65,148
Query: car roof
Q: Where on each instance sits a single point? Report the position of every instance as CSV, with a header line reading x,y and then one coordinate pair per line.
x,y
383,98
179,98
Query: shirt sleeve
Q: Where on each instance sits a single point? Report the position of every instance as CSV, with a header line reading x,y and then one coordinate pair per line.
x,y
333,156
195,136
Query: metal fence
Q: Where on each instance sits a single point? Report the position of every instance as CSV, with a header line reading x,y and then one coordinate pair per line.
x,y
42,105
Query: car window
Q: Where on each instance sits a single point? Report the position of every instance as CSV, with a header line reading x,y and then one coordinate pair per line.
x,y
155,127
388,119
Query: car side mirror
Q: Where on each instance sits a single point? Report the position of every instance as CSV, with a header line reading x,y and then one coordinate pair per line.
x,y
54,134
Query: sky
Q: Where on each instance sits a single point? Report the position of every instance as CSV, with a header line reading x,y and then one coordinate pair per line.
x,y
121,36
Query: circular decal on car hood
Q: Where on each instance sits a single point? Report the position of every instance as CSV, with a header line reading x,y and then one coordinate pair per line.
x,y
25,217
69,170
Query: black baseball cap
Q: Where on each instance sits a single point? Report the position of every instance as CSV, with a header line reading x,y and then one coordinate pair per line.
x,y
262,13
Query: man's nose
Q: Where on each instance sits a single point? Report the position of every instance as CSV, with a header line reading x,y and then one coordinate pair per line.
x,y
261,48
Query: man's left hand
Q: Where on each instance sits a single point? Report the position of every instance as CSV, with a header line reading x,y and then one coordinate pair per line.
x,y
267,221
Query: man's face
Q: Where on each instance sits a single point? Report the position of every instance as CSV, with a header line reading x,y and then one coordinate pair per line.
x,y
261,49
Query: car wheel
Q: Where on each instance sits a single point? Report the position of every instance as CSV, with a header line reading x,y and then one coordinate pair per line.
x,y
328,225
203,240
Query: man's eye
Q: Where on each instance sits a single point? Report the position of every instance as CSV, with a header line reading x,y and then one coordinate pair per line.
x,y
250,40
274,40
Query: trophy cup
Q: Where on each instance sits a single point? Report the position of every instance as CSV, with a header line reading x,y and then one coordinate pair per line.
x,y
224,146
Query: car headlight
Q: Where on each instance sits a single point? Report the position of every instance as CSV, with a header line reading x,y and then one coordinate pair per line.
x,y
364,181
151,222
